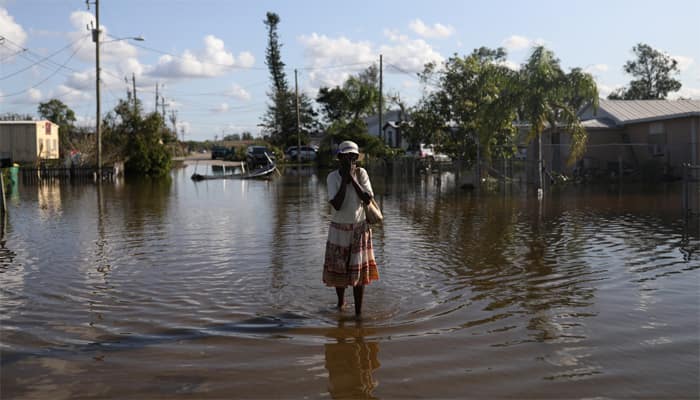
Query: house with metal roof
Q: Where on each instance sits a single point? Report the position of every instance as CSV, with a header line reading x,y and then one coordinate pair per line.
x,y
626,136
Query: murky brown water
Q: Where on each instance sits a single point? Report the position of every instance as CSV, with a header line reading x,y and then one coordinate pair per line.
x,y
213,290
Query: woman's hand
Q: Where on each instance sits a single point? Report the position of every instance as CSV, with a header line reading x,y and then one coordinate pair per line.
x,y
347,172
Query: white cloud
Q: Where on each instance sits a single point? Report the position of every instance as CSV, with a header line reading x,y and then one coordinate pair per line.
x,y
110,49
604,90
34,94
686,93
238,92
69,95
14,36
410,55
221,108
510,64
596,68
332,59
183,126
213,61
516,43
436,31
683,62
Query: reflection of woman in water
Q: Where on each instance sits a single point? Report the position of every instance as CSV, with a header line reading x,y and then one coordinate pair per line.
x,y
349,259
350,363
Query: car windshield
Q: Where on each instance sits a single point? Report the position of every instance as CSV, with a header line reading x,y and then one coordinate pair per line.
x,y
259,150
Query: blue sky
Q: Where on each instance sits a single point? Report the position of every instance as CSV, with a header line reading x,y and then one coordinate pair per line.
x,y
208,56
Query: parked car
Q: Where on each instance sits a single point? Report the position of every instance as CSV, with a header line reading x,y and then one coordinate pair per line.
x,y
307,153
220,152
426,152
420,151
257,155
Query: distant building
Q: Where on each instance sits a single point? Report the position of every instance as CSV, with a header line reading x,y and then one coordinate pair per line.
x,y
28,141
373,122
629,134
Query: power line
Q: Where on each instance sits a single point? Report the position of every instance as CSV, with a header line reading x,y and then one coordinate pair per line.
x,y
40,61
47,78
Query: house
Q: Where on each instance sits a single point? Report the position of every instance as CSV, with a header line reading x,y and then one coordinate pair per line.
x,y
393,136
372,122
28,141
629,135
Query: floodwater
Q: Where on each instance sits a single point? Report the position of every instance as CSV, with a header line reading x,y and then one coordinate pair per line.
x,y
213,289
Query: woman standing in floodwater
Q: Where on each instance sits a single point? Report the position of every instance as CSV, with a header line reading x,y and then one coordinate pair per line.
x,y
349,259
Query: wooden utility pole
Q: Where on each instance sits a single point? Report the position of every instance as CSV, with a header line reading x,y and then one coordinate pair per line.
x,y
133,80
98,113
157,98
296,91
381,131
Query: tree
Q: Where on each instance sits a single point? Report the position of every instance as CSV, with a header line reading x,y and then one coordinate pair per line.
x,y
11,116
471,112
552,98
357,98
143,141
57,112
653,71
280,120
344,108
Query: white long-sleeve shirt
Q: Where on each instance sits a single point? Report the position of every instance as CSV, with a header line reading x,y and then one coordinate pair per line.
x,y
351,211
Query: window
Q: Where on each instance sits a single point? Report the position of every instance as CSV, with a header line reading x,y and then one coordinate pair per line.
x,y
656,128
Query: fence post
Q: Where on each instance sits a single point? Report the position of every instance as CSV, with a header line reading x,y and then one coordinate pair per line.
x,y
3,205
686,184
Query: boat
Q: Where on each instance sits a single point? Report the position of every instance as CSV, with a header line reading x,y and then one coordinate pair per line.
x,y
260,173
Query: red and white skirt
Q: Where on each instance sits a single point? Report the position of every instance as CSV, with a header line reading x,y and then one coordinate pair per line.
x,y
349,257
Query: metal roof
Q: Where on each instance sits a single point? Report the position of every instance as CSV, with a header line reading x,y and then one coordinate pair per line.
x,y
625,112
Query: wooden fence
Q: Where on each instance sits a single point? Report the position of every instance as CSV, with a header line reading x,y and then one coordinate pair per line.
x,y
33,175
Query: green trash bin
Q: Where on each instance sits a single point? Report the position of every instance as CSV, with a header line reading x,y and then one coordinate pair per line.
x,y
14,173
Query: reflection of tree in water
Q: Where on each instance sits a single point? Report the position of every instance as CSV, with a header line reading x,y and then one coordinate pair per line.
x,y
519,257
145,201
350,363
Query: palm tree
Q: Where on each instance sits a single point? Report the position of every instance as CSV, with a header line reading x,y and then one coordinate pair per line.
x,y
553,98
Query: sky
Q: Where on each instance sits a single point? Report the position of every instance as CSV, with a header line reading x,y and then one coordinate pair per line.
x,y
207,57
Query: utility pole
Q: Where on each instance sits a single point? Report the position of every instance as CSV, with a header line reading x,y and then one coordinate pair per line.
x,y
162,102
157,98
98,126
381,131
133,80
296,91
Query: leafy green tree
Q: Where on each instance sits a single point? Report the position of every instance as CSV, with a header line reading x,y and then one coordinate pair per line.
x,y
59,113
653,71
357,98
344,107
472,111
143,141
552,98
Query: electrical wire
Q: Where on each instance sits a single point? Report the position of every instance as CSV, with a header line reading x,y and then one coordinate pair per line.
x,y
45,79
41,60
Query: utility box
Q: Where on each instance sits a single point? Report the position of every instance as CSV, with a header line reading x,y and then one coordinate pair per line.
x,y
28,141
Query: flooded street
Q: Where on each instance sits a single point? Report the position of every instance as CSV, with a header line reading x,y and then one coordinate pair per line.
x,y
213,289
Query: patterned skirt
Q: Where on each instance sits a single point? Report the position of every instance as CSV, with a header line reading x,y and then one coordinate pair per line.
x,y
349,257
